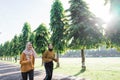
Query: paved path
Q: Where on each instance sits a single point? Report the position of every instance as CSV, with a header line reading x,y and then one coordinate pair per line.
x,y
12,72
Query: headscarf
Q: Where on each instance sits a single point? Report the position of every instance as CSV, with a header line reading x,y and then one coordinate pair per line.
x,y
28,53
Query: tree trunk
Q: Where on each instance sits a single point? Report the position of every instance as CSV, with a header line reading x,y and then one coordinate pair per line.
x,y
58,64
83,58
42,63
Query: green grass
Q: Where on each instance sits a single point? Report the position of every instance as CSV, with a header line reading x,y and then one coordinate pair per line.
x,y
96,68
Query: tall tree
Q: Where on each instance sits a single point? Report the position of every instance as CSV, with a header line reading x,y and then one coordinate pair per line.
x,y
41,38
15,45
26,32
11,48
20,43
32,39
84,32
113,31
57,27
1,50
6,48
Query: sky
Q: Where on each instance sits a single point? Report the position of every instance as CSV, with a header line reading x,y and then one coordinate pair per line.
x,y
14,13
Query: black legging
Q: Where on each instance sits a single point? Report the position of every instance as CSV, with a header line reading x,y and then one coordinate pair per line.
x,y
29,73
49,70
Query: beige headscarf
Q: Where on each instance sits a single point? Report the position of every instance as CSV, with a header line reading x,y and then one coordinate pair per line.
x,y
29,52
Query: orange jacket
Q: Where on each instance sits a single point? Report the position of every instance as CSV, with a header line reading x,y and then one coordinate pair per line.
x,y
48,56
25,64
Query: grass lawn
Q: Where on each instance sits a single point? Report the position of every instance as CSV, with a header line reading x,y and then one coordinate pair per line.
x,y
96,68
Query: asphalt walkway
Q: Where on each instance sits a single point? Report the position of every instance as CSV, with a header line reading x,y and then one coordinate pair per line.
x,y
12,72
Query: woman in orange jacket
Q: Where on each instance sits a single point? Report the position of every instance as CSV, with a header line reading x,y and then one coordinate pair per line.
x,y
48,57
27,61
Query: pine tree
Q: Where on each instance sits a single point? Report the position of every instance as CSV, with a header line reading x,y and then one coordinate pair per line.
x,y
26,32
57,27
41,38
84,32
32,39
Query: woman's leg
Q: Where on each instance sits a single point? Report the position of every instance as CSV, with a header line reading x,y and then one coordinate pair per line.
x,y
49,70
24,75
46,70
31,75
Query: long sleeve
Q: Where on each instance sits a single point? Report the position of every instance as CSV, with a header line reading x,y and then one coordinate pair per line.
x,y
26,65
45,58
56,60
23,60
32,60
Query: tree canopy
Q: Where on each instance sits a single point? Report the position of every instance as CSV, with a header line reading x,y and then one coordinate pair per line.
x,y
113,27
84,31
57,26
41,38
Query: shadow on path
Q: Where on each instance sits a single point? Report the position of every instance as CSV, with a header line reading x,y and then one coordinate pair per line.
x,y
11,72
80,72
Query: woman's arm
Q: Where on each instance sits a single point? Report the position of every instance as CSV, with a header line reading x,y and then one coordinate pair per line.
x,y
56,60
22,59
